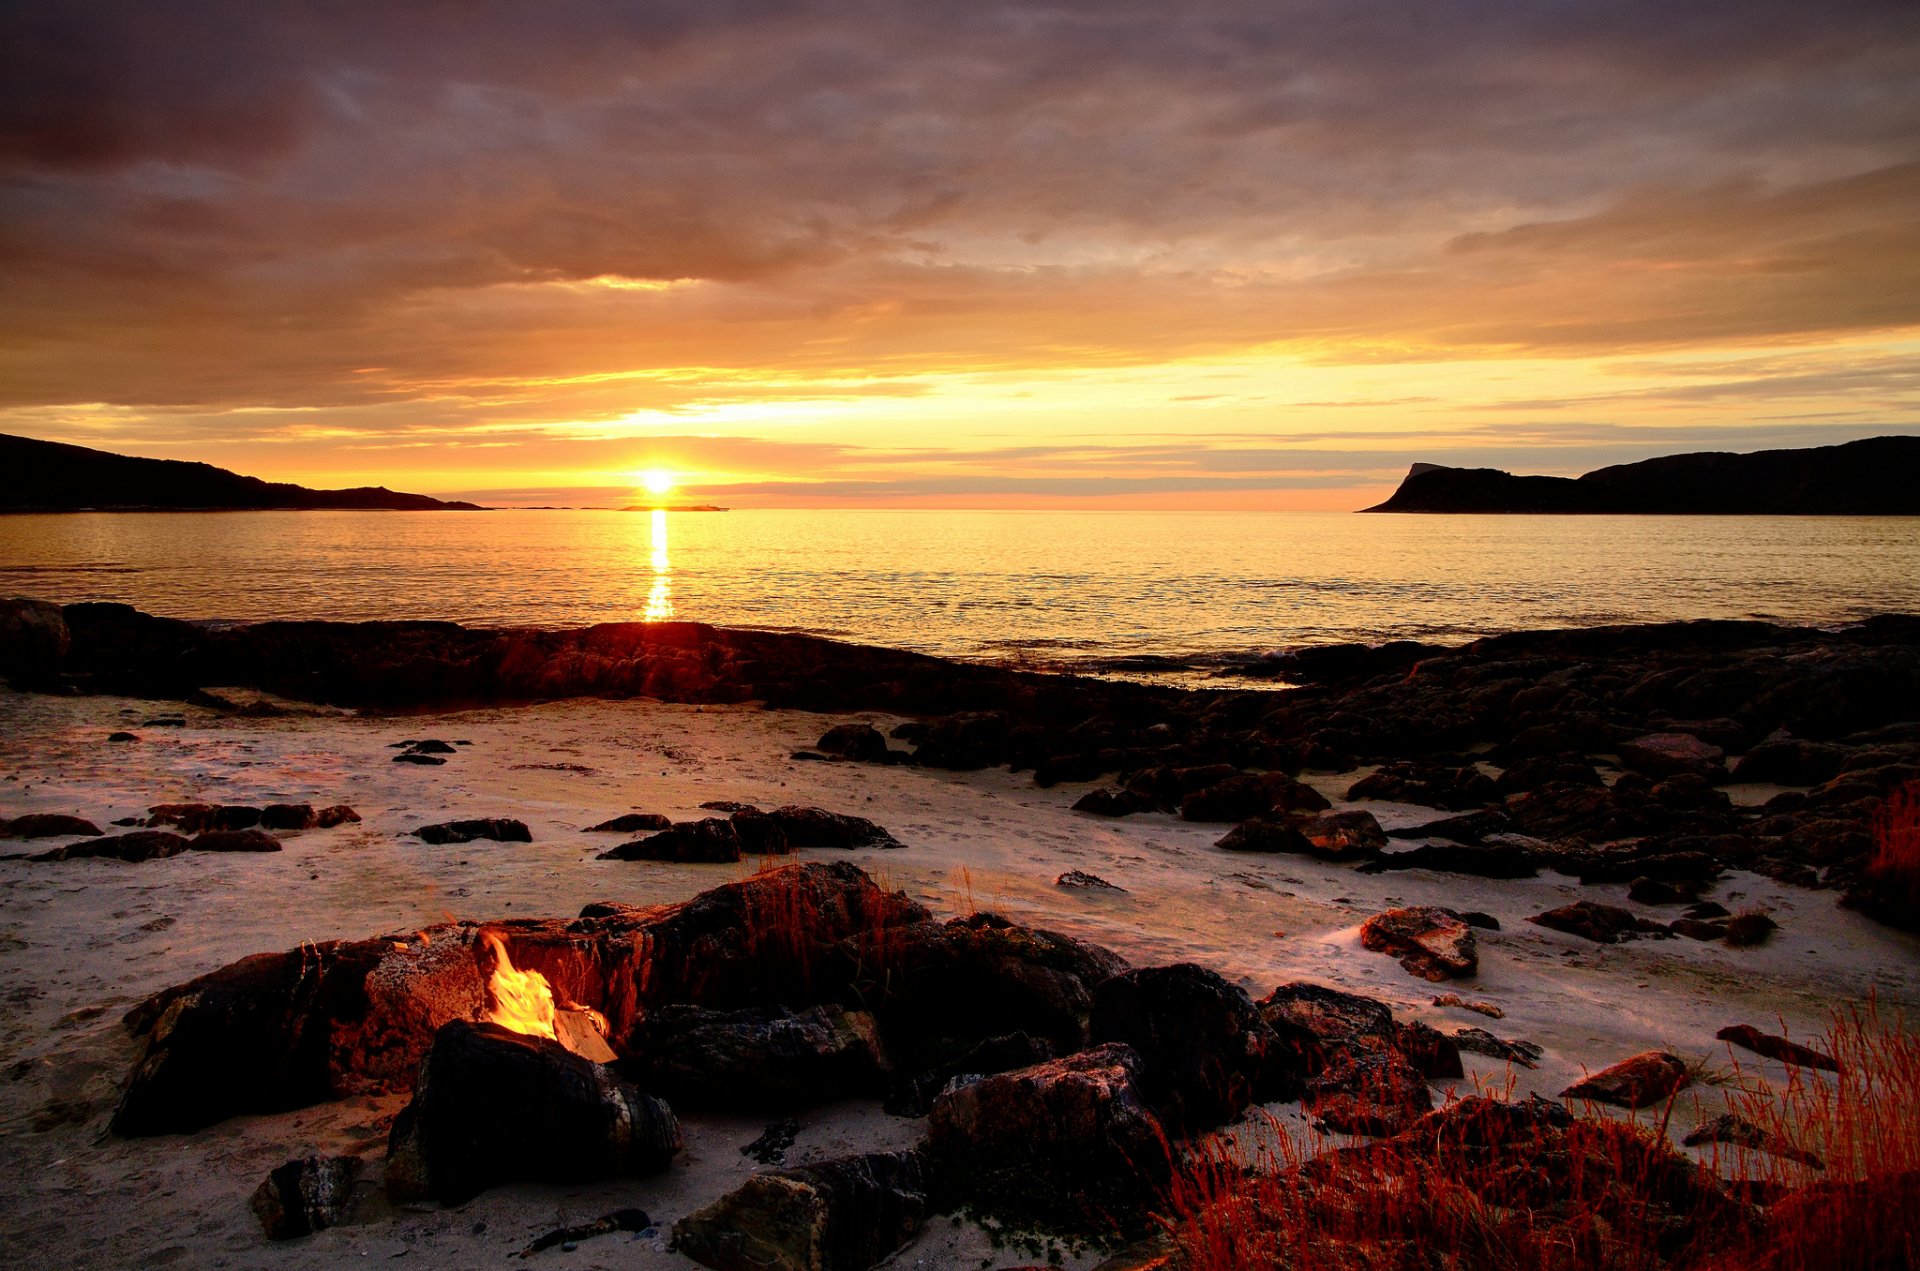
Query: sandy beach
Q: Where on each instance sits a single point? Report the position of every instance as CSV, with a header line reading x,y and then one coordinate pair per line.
x,y
82,941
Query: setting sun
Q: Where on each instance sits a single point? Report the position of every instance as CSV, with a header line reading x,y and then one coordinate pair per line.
x,y
657,481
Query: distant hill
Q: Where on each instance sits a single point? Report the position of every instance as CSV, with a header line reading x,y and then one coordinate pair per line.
x,y
48,476
1879,476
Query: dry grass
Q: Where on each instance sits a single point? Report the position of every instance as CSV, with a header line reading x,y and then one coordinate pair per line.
x,y
1895,865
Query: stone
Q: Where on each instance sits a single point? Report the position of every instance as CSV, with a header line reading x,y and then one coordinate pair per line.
x,y
816,827
1367,1090
1069,1144
306,1195
1483,860
712,840
1110,802
1750,928
138,845
1429,942
765,1058
1647,1078
1659,891
1729,1128
500,829
1265,834
288,816
1479,1008
1590,920
235,841
914,1097
1697,929
1793,1053
1341,836
631,822
33,638
1481,1042
493,1106
1673,754
420,760
47,825
339,814
1787,761
853,741
1249,795
122,735
845,1214
761,834
569,1238
1328,1017
1204,1047
1085,881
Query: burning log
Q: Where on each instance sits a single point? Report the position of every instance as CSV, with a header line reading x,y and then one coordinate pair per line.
x,y
495,1106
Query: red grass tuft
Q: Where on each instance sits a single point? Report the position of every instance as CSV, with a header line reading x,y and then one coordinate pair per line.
x,y
1895,865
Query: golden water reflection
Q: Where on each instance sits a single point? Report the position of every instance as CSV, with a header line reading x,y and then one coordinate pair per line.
x,y
660,599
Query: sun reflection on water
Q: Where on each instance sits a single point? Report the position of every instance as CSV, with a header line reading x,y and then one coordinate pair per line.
x,y
660,599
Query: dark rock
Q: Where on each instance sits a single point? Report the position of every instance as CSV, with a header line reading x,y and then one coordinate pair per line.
x,y
1249,795
728,806
1454,789
1204,1046
1539,770
713,840
771,1147
1328,1018
1429,942
288,816
493,1106
430,746
845,1214
1788,761
1695,929
1265,834
1672,754
1109,802
1369,1091
853,741
414,757
1432,1053
1666,867
764,1058
914,1097
33,638
1068,1144
965,741
1341,836
1469,827
498,828
1728,1128
306,1195
1084,880
1656,891
1590,920
1707,909
631,822
1480,1042
1750,928
123,735
47,825
816,827
1484,861
1787,1052
140,845
339,814
761,834
1647,1078
235,841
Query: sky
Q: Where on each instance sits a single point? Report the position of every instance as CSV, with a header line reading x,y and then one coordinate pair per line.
x,y
1100,254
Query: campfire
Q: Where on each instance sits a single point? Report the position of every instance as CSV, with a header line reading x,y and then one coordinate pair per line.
x,y
523,1001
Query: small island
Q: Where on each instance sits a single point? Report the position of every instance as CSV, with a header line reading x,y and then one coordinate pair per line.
x,y
1872,477
672,507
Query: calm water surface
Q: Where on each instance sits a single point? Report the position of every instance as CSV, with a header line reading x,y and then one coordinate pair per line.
x,y
1052,586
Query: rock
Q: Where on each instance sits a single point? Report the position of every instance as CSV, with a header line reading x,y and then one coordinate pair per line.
x,y
1327,1017
1341,836
288,816
494,1106
1367,1090
498,828
1249,795
338,814
430,746
1750,928
139,845
1429,942
1787,1052
1666,867
1539,770
853,741
1787,761
1468,827
414,757
1645,1079
235,841
1672,754
1428,785
306,1195
1069,1144
1657,891
1480,1042
845,1214
1204,1047
631,822
1728,1128
1432,1053
1484,861
963,741
1082,879
1265,834
728,806
47,825
1604,924
816,827
191,818
1707,909
760,834
914,1097
33,638
1479,1008
1110,802
123,735
713,840
765,1058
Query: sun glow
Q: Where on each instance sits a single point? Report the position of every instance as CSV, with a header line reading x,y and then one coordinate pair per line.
x,y
658,481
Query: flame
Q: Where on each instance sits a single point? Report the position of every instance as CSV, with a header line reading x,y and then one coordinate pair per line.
x,y
522,1000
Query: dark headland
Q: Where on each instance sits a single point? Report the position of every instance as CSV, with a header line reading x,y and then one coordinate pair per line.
x,y
1879,476
49,476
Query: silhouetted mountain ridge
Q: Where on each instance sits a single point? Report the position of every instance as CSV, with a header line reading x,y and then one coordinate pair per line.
x,y
51,476
1878,476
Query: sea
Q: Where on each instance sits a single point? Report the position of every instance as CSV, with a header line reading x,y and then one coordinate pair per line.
x,y
1157,594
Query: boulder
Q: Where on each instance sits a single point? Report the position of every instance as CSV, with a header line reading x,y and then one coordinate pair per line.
x,y
816,827
1265,834
630,823
1740,1132
47,825
914,1097
1249,795
765,1058
306,1195
1428,785
1204,1047
1479,1041
1367,1090
853,741
1429,942
1326,1018
1083,881
1645,1079
1673,754
234,841
1750,1038
1660,891
137,845
498,828
711,840
288,816
1342,836
1110,802
1604,924
760,834
33,638
1069,1144
1788,761
845,1214
494,1106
